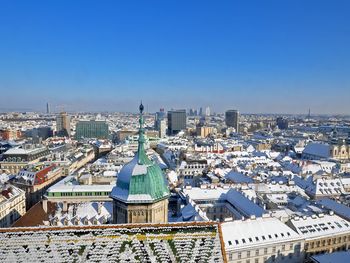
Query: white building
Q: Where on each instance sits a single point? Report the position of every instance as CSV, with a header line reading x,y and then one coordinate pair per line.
x,y
260,240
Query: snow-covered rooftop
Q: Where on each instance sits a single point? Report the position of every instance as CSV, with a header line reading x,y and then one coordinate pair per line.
x,y
320,225
240,234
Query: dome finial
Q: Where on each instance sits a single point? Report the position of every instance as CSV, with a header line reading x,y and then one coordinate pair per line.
x,y
141,107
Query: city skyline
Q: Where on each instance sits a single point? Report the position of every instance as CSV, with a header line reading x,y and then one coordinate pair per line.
x,y
255,57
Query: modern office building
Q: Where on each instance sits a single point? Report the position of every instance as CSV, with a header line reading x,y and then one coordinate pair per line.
x,y
43,132
176,121
232,119
282,123
141,194
200,111
47,108
96,129
63,124
160,115
207,111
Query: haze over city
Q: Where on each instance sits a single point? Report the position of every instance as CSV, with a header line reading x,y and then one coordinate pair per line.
x,y
256,56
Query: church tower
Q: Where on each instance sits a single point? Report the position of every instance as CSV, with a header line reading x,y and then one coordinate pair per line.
x,y
141,194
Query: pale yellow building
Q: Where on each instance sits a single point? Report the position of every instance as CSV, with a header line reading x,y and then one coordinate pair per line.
x,y
12,204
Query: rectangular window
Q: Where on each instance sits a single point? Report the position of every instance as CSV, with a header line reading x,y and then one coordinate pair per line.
x,y
283,247
257,252
265,251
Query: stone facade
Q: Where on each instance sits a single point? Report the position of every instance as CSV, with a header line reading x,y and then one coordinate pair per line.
x,y
140,213
340,151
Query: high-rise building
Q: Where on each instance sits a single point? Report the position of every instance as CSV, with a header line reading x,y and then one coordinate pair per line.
x,y
43,132
232,119
282,123
200,111
47,108
97,129
162,128
207,111
141,194
176,121
160,115
63,124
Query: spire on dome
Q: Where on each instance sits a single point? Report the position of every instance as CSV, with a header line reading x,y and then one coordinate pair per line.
x,y
142,158
141,107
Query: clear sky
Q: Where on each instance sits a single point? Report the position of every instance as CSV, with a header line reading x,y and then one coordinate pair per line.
x,y
280,56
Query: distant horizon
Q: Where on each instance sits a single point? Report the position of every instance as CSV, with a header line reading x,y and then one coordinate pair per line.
x,y
254,56
43,111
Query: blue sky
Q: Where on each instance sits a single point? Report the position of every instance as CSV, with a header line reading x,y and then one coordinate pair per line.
x,y
255,56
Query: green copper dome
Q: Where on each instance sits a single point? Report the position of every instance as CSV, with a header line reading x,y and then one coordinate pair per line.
x,y
140,180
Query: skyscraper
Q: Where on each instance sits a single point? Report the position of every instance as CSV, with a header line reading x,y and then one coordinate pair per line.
x,y
176,121
232,119
92,129
160,115
200,111
207,111
47,108
63,124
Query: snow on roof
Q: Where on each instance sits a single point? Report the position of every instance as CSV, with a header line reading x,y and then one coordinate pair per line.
x,y
69,184
340,209
321,225
90,209
21,151
256,232
317,149
335,257
237,177
188,212
173,177
124,195
4,178
323,186
110,173
243,204
197,193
